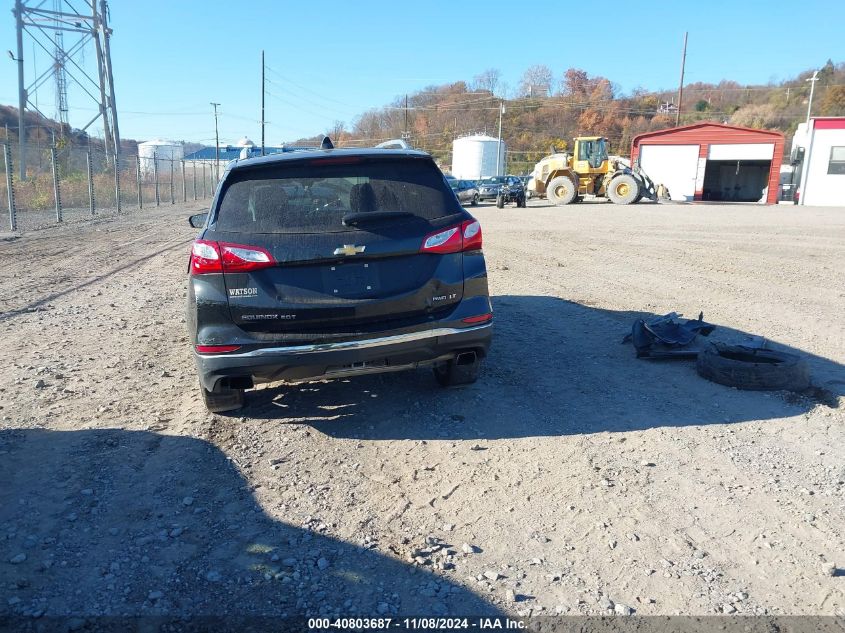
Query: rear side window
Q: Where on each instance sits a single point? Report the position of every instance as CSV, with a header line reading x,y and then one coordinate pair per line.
x,y
314,196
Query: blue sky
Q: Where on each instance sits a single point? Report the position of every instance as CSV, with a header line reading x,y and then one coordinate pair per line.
x,y
332,60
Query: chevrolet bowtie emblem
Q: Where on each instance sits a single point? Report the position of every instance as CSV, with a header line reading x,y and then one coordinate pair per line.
x,y
349,249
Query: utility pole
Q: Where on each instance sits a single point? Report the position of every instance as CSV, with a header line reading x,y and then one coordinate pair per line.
x,y
22,96
405,135
216,144
681,83
262,102
499,144
812,81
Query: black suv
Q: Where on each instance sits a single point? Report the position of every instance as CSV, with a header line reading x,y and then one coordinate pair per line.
x,y
335,262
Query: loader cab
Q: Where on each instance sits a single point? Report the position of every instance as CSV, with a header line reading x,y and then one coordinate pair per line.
x,y
591,155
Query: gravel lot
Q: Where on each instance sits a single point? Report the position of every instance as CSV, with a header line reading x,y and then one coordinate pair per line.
x,y
572,478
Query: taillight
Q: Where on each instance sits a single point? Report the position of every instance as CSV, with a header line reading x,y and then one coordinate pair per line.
x,y
481,318
205,258
464,237
240,259
446,241
471,230
217,257
216,349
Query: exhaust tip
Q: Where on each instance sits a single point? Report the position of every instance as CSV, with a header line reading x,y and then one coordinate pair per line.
x,y
465,358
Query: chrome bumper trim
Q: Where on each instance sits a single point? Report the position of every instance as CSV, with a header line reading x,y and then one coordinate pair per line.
x,y
350,345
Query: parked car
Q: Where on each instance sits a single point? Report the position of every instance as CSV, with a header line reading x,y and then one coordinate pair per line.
x,y
489,188
465,190
334,262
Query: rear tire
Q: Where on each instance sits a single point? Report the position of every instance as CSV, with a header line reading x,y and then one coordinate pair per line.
x,y
623,189
500,202
223,399
450,374
561,191
474,201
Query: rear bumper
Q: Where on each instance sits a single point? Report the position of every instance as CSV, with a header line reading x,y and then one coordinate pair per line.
x,y
370,355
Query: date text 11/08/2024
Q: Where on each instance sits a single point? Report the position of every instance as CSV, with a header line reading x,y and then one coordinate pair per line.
x,y
423,623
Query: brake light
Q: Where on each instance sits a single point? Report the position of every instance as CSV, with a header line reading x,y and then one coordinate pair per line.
x,y
216,349
337,160
205,258
217,257
240,259
463,237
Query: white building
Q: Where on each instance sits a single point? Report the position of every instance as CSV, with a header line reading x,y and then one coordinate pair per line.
x,y
159,155
822,143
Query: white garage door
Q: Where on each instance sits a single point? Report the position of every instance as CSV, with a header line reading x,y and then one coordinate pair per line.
x,y
675,166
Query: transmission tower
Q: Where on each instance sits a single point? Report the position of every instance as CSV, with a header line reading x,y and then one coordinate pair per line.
x,y
60,74
47,28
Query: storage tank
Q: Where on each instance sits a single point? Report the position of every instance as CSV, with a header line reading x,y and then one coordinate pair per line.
x,y
474,157
159,151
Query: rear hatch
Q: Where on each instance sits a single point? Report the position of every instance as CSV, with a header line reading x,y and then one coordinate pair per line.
x,y
334,244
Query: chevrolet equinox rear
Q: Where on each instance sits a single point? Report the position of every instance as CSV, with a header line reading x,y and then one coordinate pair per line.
x,y
335,262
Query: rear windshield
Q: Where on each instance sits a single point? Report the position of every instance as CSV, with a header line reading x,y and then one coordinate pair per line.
x,y
314,197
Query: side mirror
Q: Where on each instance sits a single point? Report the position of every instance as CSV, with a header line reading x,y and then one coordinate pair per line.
x,y
197,220
797,155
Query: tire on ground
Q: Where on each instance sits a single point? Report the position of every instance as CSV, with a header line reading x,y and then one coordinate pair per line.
x,y
753,369
222,399
561,190
500,201
623,189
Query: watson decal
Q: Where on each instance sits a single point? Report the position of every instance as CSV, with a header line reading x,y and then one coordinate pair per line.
x,y
243,292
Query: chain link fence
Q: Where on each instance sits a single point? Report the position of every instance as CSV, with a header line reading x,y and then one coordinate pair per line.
x,y
67,184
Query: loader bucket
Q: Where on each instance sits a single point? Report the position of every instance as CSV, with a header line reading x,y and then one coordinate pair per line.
x,y
647,188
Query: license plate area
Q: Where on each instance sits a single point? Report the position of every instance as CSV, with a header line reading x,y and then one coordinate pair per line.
x,y
351,280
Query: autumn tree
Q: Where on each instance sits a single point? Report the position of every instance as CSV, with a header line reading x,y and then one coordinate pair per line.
x,y
487,80
536,82
833,102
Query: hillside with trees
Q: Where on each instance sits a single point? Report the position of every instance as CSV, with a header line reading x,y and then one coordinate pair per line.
x,y
547,110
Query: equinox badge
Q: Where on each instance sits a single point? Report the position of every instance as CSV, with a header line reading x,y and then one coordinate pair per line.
x,y
349,249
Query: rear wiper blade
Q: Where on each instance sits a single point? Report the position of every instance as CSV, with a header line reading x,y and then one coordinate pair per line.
x,y
357,217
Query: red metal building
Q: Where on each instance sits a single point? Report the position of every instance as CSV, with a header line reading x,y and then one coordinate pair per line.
x,y
711,161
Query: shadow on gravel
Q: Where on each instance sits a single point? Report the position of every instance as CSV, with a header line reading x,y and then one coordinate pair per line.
x,y
44,300
110,522
556,368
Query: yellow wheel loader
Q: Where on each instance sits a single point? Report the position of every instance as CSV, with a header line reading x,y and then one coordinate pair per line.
x,y
564,178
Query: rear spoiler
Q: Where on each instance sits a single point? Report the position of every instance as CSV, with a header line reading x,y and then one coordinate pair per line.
x,y
396,143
